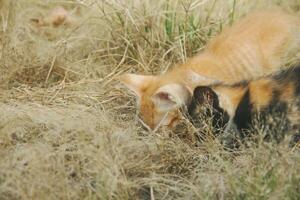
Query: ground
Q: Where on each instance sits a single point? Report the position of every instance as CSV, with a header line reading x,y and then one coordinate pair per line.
x,y
68,130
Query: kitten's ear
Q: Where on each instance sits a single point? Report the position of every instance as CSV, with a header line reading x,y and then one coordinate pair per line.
x,y
135,82
194,79
204,95
171,96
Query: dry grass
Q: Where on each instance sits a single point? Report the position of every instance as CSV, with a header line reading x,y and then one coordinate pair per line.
x,y
68,131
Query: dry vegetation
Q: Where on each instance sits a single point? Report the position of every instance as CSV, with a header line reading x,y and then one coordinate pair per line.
x,y
69,131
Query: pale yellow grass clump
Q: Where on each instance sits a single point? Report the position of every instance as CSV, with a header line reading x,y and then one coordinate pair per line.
x,y
69,131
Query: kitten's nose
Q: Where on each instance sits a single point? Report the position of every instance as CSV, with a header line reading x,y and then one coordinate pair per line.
x,y
145,126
